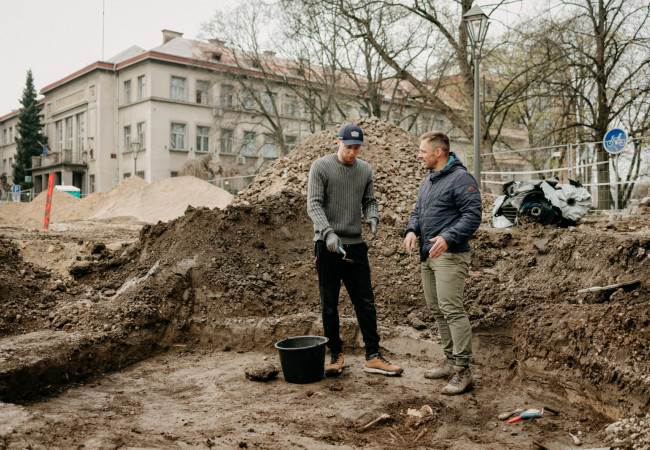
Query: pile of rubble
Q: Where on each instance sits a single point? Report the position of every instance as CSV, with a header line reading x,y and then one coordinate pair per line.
x,y
390,150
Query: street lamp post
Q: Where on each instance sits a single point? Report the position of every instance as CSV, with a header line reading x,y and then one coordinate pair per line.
x,y
477,24
135,149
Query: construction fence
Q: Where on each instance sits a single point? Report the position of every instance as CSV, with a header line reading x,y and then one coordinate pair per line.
x,y
614,182
233,184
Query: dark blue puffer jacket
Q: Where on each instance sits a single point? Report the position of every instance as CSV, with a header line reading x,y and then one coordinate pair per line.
x,y
449,205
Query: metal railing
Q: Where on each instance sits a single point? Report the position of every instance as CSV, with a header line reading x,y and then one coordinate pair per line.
x,y
628,174
63,157
233,184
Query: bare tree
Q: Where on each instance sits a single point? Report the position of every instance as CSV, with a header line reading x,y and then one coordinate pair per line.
x,y
605,44
259,74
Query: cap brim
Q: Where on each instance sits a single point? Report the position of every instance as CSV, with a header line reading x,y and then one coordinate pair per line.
x,y
351,142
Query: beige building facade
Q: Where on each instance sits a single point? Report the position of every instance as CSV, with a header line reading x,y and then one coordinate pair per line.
x,y
181,101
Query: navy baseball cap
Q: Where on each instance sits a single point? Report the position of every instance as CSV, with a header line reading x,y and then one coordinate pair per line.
x,y
350,134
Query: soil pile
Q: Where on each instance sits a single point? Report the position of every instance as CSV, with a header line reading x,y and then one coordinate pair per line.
x,y
390,150
132,201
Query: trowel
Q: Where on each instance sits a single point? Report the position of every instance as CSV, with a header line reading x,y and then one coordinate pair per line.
x,y
344,253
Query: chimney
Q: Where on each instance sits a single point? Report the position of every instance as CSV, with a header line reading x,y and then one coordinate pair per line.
x,y
168,35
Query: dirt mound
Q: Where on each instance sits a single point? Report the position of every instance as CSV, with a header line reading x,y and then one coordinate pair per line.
x,y
163,200
390,150
134,200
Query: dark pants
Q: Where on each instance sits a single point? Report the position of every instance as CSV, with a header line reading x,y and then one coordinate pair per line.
x,y
356,278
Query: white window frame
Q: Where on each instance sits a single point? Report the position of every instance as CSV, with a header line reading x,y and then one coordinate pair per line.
x,y
59,135
248,145
202,139
127,92
177,137
203,92
227,95
81,131
127,138
177,88
226,142
290,145
270,146
69,141
141,129
142,86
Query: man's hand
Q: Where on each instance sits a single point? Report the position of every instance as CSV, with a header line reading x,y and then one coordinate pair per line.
x,y
332,241
439,246
410,241
373,227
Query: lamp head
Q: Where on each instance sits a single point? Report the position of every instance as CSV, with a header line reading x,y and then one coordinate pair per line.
x,y
135,147
477,24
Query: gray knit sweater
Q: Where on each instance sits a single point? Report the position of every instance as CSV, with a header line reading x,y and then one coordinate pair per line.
x,y
337,194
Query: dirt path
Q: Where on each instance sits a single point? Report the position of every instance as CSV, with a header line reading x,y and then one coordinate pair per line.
x,y
200,398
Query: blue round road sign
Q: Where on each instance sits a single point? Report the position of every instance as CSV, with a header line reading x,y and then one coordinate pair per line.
x,y
615,140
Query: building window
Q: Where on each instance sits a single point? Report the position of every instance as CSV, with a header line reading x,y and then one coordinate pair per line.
x,y
141,87
141,131
202,139
59,135
178,89
248,144
127,92
270,146
364,112
249,101
11,135
226,142
203,92
81,131
269,101
4,137
178,136
173,174
290,142
226,96
127,138
91,181
68,133
127,175
290,106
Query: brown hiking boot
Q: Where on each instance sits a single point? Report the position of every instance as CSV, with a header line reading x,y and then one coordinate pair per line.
x,y
446,369
378,364
460,382
335,366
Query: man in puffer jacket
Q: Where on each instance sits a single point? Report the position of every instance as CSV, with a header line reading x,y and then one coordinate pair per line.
x,y
448,211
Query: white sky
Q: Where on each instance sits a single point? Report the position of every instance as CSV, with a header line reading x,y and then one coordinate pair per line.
x,y
58,37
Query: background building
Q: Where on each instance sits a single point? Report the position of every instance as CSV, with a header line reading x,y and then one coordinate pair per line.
x,y
187,100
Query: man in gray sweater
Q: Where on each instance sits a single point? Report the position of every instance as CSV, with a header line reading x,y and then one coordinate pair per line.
x,y
340,186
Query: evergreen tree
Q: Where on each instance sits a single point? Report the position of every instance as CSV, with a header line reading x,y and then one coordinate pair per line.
x,y
29,133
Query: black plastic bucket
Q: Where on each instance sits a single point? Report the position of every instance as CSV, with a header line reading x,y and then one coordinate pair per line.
x,y
302,358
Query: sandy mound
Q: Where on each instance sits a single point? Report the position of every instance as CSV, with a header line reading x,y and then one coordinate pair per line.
x,y
133,200
162,200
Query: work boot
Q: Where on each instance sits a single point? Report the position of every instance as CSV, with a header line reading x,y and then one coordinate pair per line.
x,y
446,369
459,383
336,364
378,364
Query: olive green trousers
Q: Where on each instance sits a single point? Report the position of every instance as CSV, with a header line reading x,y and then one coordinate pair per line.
x,y
443,281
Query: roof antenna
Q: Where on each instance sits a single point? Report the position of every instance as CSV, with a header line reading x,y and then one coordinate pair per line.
x,y
103,3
